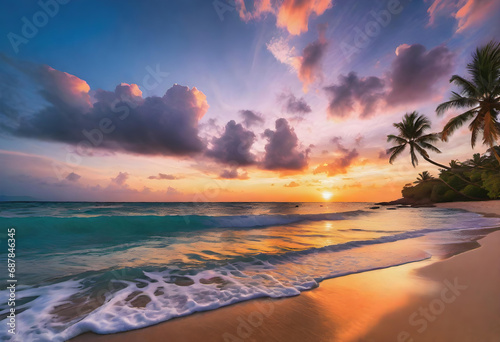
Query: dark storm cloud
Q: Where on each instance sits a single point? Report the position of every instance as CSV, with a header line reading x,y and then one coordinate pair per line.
x,y
118,120
352,90
416,71
233,146
251,118
282,151
294,105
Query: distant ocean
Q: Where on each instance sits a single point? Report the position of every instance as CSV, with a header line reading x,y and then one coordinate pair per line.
x,y
110,267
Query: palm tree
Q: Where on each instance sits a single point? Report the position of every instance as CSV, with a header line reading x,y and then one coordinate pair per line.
x,y
477,161
479,95
423,177
412,134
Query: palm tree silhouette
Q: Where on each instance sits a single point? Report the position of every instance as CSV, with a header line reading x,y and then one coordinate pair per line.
x,y
423,177
480,95
412,131
412,134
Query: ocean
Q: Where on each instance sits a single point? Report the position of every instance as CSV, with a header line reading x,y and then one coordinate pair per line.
x,y
111,267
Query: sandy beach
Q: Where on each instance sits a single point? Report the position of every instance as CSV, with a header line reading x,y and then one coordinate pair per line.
x,y
456,299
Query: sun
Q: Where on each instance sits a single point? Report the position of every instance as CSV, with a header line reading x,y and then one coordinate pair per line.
x,y
326,195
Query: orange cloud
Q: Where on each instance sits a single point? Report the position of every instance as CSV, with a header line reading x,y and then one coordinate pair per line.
x,y
70,88
134,89
201,103
292,15
468,13
473,12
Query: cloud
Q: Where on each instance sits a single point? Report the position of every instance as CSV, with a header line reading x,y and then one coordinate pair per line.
x,y
119,120
173,191
233,146
120,179
73,177
282,151
294,105
163,176
309,68
251,118
308,64
415,72
468,13
341,164
233,174
283,52
292,15
291,185
354,93
413,76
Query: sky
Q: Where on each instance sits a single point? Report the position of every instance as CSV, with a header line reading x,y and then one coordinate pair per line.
x,y
226,100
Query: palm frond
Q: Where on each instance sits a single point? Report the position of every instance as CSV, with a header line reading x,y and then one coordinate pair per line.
x,y
456,122
395,151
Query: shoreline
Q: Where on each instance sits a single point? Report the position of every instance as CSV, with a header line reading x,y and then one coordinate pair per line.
x,y
451,299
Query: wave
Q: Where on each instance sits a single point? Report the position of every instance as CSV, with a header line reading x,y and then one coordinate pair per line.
x,y
118,300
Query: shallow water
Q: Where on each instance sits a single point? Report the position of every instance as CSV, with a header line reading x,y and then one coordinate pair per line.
x,y
109,267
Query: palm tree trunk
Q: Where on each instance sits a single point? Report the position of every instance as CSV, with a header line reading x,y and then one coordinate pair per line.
x,y
460,193
437,164
447,168
448,185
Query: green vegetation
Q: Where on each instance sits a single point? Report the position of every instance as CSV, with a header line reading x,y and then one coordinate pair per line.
x,y
450,187
479,177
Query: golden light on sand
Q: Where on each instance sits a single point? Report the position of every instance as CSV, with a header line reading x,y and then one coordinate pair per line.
x,y
326,195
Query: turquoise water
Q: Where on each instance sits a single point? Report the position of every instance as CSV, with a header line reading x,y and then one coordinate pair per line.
x,y
109,267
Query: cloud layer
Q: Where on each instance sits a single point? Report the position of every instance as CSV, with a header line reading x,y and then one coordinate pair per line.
x,y
117,120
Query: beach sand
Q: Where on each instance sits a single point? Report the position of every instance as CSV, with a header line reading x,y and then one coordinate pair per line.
x,y
456,299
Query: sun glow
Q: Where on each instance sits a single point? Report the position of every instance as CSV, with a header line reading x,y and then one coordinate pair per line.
x,y
326,195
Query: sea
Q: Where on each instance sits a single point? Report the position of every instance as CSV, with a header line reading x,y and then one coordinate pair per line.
x,y
112,267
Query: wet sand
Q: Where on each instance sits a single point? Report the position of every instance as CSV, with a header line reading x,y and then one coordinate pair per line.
x,y
457,299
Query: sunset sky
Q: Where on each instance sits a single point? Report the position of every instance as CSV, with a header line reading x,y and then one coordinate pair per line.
x,y
270,100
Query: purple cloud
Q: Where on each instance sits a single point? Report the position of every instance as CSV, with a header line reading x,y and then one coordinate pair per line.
x,y
294,105
233,146
282,151
251,118
351,90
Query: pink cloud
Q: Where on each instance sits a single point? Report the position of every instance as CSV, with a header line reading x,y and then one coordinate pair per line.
x,y
468,13
292,15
